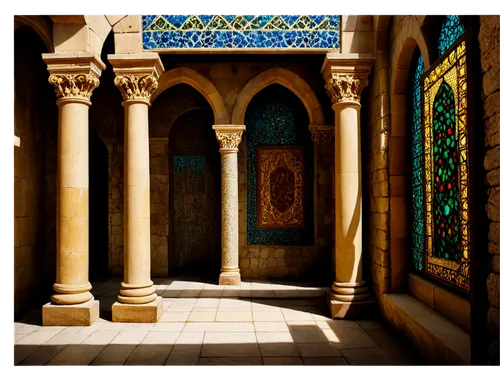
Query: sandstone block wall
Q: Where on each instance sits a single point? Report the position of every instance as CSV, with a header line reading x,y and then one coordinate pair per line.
x,y
489,43
33,116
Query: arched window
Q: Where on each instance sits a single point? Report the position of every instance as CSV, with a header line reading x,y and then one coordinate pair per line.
x,y
440,186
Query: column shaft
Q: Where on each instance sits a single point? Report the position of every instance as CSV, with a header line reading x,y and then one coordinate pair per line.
x,y
229,137
72,229
229,159
348,194
137,286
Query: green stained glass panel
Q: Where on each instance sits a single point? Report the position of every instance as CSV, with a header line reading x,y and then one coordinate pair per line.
x,y
445,160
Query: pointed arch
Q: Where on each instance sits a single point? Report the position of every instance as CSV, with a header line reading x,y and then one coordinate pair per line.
x,y
200,83
286,78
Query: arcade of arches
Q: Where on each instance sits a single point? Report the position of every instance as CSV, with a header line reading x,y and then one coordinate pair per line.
x,y
372,168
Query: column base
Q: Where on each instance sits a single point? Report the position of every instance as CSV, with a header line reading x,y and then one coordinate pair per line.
x,y
351,310
143,313
230,278
82,314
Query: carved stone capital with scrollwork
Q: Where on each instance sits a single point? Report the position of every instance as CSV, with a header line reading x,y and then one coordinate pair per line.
x,y
136,86
322,133
74,85
229,136
342,87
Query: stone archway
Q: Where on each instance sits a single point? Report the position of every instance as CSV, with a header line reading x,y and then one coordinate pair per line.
x,y
198,82
400,202
286,78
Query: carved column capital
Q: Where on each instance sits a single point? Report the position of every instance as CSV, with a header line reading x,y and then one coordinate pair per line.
x,y
322,133
343,88
346,75
137,75
229,136
133,87
74,75
74,85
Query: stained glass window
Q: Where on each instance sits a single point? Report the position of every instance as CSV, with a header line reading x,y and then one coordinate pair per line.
x,y
446,200
417,164
451,30
439,179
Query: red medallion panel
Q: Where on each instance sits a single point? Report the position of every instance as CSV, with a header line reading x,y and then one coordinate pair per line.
x,y
280,186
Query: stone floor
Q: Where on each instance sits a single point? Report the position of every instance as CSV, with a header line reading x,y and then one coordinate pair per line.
x,y
205,324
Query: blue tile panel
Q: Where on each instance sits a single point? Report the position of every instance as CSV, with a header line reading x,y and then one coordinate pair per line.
x,y
240,32
275,117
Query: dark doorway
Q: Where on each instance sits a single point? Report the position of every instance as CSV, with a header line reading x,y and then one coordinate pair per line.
x,y
98,208
195,244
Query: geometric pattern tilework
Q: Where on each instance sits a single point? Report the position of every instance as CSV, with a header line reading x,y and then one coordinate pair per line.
x,y
240,32
276,117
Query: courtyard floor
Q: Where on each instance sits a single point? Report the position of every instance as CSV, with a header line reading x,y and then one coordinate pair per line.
x,y
257,323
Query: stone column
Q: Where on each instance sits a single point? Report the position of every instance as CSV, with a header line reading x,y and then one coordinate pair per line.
x,y
345,79
136,77
229,137
74,76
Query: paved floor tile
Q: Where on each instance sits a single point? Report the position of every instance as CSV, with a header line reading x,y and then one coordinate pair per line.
x,y
319,349
202,316
233,316
282,361
113,355
149,355
231,361
271,326
325,361
168,327
367,357
42,355
179,316
270,331
268,316
184,355
76,355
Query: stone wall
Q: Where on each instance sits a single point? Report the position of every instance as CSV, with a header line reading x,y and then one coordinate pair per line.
x,y
32,116
158,159
489,43
376,171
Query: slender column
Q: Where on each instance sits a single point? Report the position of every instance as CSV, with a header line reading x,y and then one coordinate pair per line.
x,y
229,137
349,296
137,80
74,78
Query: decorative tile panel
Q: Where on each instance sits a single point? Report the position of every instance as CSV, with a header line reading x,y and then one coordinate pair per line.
x,y
276,117
222,32
280,186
